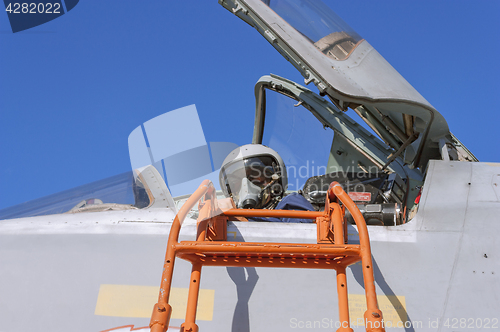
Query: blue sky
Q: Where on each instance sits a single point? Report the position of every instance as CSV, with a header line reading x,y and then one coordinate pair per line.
x,y
72,90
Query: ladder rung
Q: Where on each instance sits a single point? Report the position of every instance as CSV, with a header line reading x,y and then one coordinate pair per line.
x,y
285,261
242,248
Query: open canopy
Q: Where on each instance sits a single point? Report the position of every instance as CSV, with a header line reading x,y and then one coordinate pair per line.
x,y
350,71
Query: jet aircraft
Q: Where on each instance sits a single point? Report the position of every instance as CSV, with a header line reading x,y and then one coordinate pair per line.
x,y
430,206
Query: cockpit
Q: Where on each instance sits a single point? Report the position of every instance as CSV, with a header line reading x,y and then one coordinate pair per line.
x,y
320,144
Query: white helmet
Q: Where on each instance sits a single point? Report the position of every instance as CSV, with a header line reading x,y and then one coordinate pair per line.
x,y
254,176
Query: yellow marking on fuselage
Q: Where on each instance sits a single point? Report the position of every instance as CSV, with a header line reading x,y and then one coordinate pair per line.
x,y
234,234
138,301
393,309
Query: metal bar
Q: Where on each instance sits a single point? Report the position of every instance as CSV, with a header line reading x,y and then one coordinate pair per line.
x,y
444,150
401,149
343,301
192,304
372,315
221,248
205,215
374,123
260,114
162,310
274,213
392,126
338,228
272,262
408,124
418,155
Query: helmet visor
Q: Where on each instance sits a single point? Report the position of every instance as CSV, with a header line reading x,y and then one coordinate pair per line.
x,y
258,170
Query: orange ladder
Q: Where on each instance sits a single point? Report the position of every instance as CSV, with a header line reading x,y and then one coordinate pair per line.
x,y
211,248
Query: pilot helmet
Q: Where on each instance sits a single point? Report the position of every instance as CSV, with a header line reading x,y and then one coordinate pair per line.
x,y
254,176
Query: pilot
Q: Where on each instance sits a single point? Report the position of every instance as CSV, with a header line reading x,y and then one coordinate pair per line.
x,y
254,176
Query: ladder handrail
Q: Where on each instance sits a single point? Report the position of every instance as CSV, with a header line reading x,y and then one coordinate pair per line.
x,y
184,210
162,310
372,313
